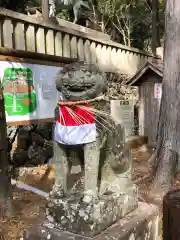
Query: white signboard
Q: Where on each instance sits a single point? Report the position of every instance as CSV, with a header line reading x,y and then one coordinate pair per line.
x,y
157,90
123,113
29,90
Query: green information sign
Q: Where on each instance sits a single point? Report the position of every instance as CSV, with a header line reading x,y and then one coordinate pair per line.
x,y
19,93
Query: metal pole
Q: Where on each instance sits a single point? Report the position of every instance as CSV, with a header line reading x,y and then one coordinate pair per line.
x,y
45,10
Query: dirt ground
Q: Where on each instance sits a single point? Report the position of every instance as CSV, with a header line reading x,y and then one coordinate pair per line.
x,y
30,208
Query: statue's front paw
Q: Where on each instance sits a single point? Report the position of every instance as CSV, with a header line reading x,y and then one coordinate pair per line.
x,y
57,192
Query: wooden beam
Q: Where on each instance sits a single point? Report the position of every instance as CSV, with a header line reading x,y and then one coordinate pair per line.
x,y
31,61
5,186
33,121
35,56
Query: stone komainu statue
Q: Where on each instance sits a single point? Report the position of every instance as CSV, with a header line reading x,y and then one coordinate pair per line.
x,y
78,7
91,138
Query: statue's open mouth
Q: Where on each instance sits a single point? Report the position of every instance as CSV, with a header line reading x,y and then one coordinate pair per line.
x,y
78,89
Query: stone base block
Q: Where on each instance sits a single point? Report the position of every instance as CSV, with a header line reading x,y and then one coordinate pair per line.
x,y
73,215
140,224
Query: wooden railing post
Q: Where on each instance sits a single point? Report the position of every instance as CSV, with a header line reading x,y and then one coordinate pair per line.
x,y
45,10
171,215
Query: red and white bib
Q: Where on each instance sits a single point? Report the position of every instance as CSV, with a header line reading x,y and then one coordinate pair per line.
x,y
72,130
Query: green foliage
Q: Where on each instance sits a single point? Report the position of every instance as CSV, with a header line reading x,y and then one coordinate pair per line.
x,y
127,21
131,20
64,14
15,5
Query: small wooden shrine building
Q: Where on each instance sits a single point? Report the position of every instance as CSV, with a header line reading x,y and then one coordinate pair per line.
x,y
149,81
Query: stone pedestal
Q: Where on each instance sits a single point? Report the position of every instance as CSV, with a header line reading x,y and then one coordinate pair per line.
x,y
140,224
73,215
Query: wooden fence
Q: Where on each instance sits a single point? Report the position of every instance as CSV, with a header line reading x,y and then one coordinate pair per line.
x,y
20,32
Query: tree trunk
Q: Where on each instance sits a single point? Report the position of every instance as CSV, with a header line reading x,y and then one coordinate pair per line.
x,y
171,210
5,180
166,156
155,26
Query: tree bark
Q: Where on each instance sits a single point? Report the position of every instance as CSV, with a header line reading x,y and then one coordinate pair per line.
x,y
171,211
166,157
5,180
155,26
